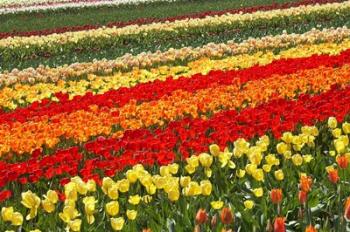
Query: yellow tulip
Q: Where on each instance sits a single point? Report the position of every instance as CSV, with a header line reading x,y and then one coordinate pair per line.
x,y
132,176
173,168
250,168
346,127
279,175
70,191
48,206
332,122
52,196
147,199
6,213
192,189
193,161
185,181
206,187
206,160
112,208
307,158
297,159
174,194
107,182
217,204
131,214
117,223
258,192
134,200
89,203
164,171
240,173
36,230
339,146
80,185
266,168
91,185
17,219
113,191
123,185
214,150
248,204
32,202
75,224
258,174
287,137
190,169
69,213
281,148
272,160
336,132
151,189
332,153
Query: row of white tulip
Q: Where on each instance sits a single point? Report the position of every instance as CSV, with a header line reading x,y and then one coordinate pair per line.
x,y
15,6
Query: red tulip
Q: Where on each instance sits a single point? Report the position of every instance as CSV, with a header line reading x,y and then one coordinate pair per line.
x,y
226,216
201,217
278,225
302,197
276,196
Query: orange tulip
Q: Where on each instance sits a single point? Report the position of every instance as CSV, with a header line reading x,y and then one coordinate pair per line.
x,y
333,176
310,228
305,183
347,209
342,161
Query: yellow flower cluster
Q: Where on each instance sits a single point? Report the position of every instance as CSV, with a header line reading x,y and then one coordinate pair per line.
x,y
13,97
259,162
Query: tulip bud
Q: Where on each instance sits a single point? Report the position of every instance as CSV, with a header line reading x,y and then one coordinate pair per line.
x,y
305,183
310,228
278,225
226,216
333,176
302,197
269,227
276,196
213,222
201,217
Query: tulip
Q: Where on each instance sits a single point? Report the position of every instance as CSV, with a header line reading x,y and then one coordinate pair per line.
x,y
226,216
201,217
305,183
206,187
75,225
333,176
302,197
32,202
213,222
123,185
279,175
134,200
310,228
258,192
217,204
214,149
342,161
332,122
117,223
17,219
112,208
6,213
278,225
347,209
248,204
276,196
131,214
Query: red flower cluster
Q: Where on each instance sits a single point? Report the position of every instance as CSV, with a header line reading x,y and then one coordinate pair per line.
x,y
142,21
187,136
155,90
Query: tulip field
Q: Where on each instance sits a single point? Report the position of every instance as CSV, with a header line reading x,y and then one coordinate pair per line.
x,y
175,115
